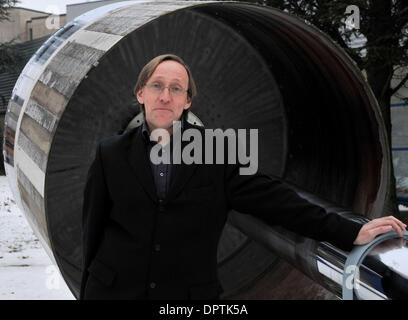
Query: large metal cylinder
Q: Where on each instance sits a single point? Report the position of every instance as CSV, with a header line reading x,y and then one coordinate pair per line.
x,y
319,124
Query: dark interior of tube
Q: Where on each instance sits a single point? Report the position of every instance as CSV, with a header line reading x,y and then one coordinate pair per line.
x,y
254,68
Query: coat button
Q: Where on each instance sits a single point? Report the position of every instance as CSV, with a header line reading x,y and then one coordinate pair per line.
x,y
161,208
157,247
152,285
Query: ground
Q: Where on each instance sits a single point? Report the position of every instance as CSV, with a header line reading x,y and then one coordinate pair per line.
x,y
26,271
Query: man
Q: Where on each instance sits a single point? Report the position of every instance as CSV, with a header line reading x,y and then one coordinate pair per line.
x,y
151,231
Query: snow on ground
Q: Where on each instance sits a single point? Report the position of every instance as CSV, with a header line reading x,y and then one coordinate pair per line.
x,y
26,271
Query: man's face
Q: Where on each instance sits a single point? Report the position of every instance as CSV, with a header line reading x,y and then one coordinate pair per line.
x,y
162,108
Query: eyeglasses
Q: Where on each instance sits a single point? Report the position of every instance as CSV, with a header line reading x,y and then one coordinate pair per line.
x,y
174,90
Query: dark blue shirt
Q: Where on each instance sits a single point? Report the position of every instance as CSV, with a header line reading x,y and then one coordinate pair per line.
x,y
162,173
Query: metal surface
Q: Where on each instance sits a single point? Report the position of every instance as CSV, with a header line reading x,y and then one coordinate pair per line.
x,y
383,274
381,278
319,124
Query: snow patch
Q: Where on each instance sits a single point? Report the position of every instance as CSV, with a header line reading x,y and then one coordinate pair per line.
x,y
26,271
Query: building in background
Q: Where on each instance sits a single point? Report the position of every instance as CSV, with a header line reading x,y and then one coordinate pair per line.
x,y
26,24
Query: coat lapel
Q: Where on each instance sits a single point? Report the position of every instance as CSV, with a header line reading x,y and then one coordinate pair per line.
x,y
182,172
140,163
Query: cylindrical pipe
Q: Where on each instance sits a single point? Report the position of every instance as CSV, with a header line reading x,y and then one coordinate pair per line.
x,y
319,124
383,274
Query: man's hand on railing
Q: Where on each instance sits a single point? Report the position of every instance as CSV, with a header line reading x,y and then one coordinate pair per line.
x,y
378,226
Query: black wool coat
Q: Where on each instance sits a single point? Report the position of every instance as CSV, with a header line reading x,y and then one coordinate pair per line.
x,y
137,247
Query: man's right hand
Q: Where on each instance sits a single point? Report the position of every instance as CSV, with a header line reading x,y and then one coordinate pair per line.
x,y
378,226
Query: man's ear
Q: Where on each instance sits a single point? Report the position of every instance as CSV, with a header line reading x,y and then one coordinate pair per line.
x,y
139,96
188,104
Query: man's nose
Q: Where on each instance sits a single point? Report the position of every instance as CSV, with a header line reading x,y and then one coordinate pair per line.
x,y
165,94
